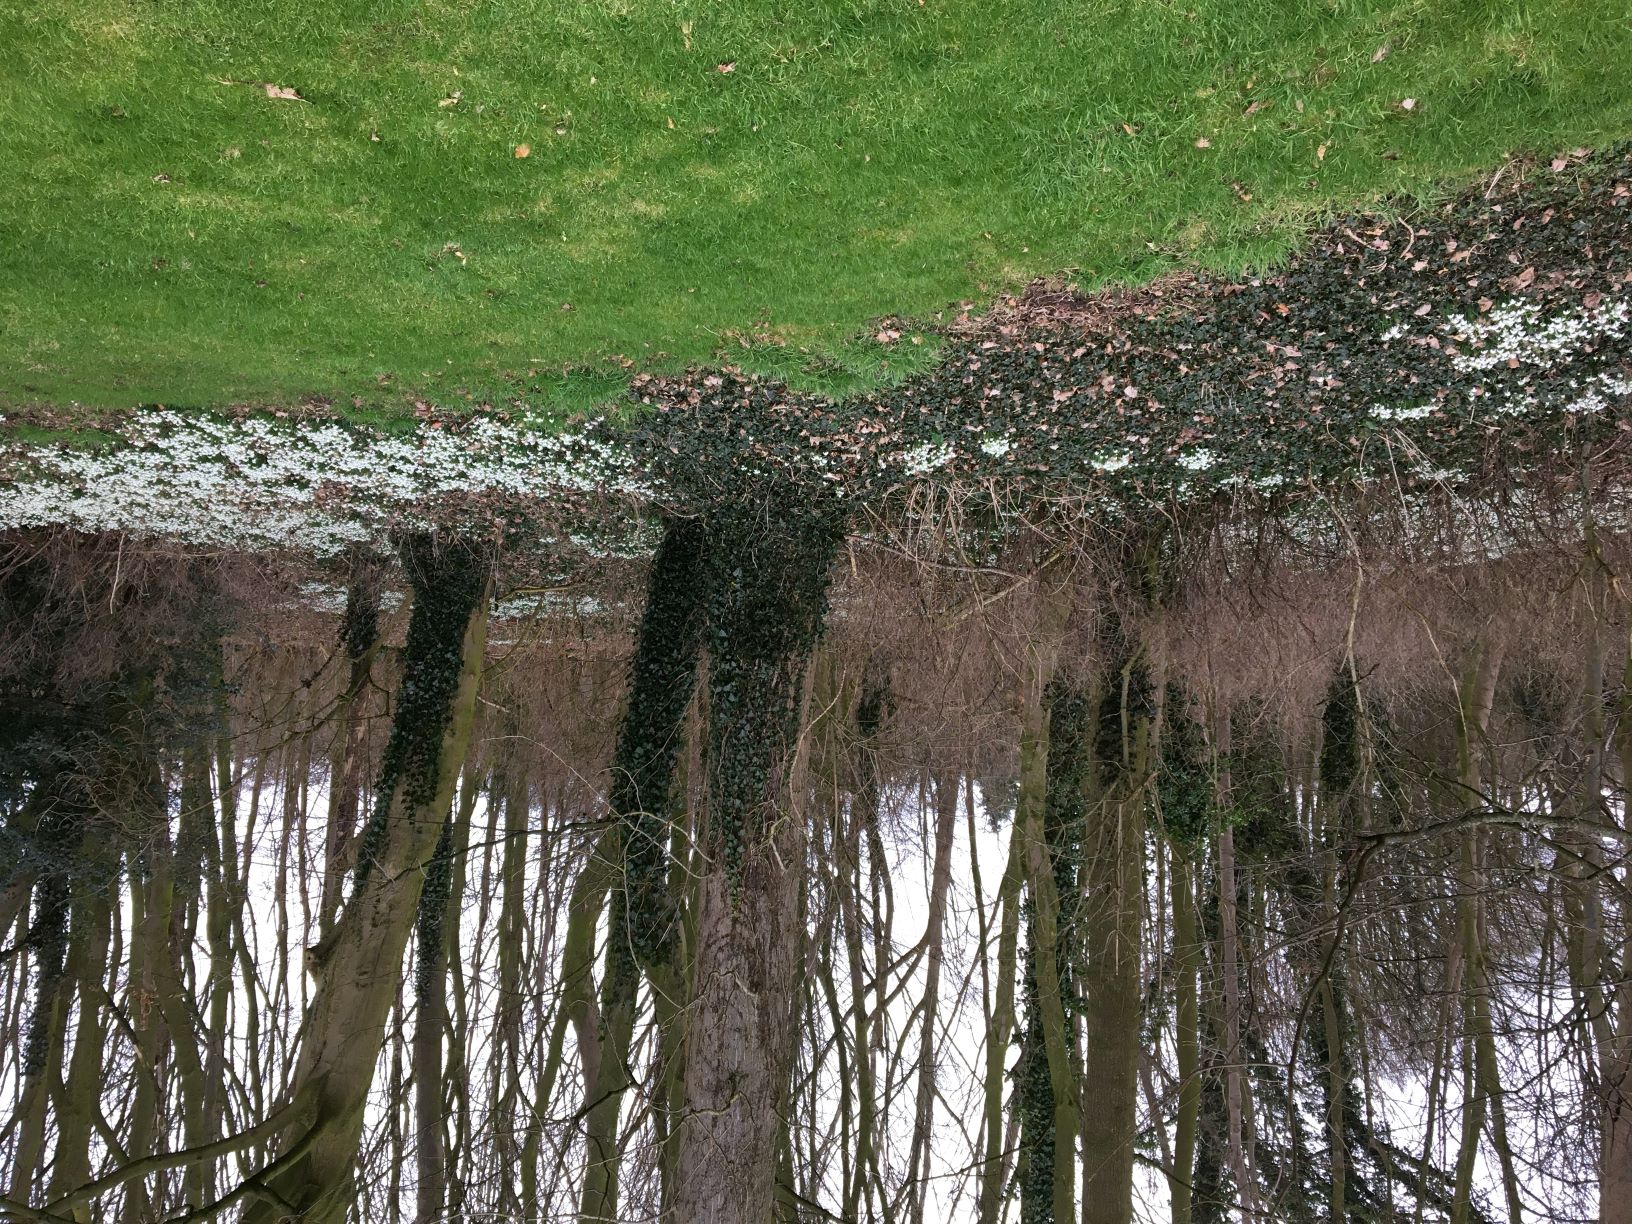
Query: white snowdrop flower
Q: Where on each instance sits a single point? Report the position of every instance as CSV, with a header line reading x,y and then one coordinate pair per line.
x,y
258,482
1111,463
927,457
1273,481
1430,472
1384,413
1517,332
1197,460
996,447
1395,332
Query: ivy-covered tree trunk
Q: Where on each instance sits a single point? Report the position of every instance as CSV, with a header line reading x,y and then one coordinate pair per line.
x,y
430,1029
642,934
358,966
765,612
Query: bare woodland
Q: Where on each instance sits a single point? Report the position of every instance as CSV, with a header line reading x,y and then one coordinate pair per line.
x,y
986,852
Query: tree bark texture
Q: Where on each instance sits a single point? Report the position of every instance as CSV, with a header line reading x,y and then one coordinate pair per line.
x,y
766,606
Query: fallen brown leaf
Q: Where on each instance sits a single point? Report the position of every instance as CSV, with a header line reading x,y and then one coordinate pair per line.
x,y
282,91
524,150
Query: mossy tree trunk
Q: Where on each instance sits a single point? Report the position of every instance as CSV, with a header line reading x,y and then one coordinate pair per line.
x,y
359,964
766,605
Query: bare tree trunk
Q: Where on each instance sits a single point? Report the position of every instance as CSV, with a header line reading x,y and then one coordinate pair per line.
x,y
79,1106
1186,1031
1114,901
1000,1029
360,638
359,966
149,952
946,815
42,1053
1482,1081
1238,1106
1612,1039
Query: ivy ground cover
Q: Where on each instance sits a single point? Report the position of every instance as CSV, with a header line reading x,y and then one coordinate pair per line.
x,y
376,204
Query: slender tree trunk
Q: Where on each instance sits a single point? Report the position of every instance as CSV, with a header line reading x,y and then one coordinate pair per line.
x,y
1113,905
1612,1039
1187,1034
1237,1103
360,639
946,815
1482,1086
149,952
510,988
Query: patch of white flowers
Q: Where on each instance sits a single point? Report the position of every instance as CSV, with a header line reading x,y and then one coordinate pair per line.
x,y
546,603
1518,332
996,447
1197,460
927,457
327,597
314,487
1597,395
1111,463
1384,413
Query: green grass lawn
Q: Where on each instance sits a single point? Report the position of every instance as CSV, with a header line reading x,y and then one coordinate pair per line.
x,y
745,181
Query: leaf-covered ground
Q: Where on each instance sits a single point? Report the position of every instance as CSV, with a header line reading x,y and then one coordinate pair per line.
x,y
1481,345
214,204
